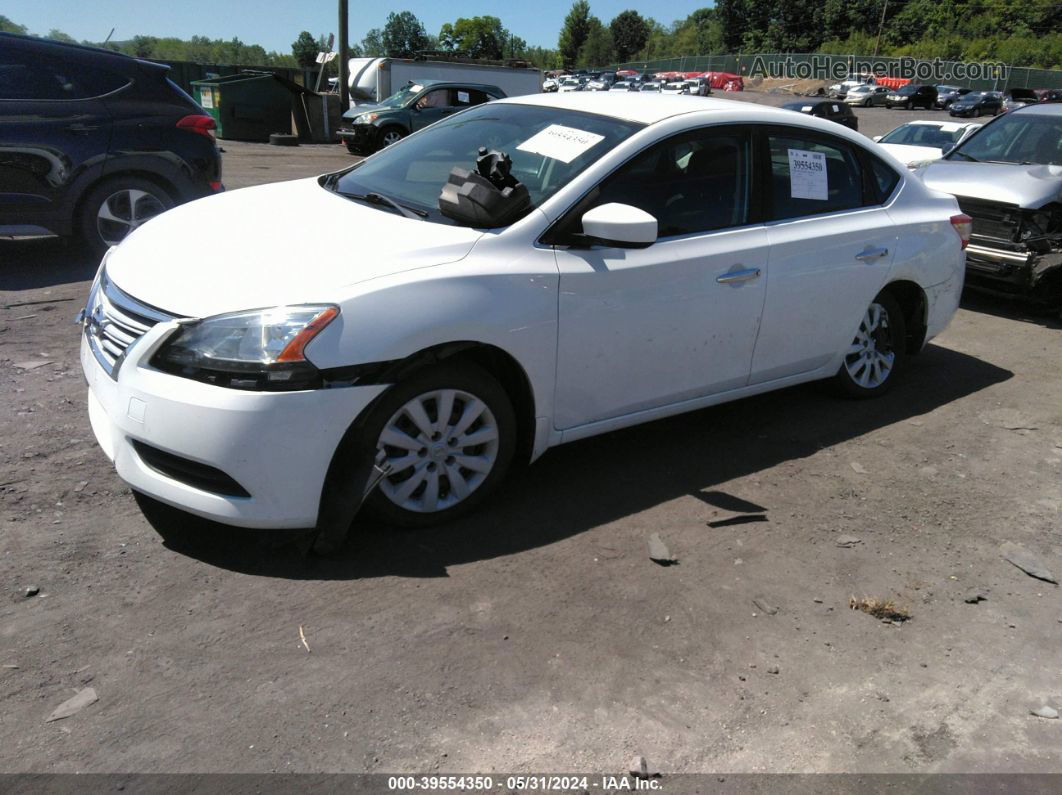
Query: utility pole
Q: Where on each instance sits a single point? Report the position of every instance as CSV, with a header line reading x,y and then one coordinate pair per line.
x,y
344,89
881,24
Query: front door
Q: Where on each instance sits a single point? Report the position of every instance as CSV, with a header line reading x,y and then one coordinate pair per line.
x,y
643,328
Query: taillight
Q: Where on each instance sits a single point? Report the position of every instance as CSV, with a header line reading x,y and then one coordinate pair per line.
x,y
198,123
963,226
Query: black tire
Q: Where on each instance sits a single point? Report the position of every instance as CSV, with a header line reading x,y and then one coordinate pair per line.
x,y
461,376
283,139
891,339
391,134
99,234
354,150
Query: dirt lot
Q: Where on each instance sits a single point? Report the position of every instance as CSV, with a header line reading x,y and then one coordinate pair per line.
x,y
538,636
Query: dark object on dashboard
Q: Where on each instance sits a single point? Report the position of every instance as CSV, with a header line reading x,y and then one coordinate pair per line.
x,y
487,197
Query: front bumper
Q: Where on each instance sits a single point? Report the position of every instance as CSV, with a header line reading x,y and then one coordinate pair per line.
x,y
277,446
364,137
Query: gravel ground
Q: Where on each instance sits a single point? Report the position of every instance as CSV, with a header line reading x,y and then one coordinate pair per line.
x,y
538,635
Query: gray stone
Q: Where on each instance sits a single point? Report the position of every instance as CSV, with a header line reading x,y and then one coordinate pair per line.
x,y
1045,712
639,767
658,551
774,669
765,606
74,705
1029,562
848,541
31,590
975,595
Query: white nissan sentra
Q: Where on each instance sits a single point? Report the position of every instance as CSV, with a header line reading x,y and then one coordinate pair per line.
x,y
522,274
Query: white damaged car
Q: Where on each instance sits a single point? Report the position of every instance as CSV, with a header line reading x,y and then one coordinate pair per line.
x,y
526,273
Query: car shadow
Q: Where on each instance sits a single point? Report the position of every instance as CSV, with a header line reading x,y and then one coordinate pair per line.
x,y
1012,308
600,480
31,263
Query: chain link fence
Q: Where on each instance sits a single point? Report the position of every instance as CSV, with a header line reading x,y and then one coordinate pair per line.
x,y
836,66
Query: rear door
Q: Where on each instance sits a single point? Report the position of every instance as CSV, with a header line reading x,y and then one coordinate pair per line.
x,y
831,245
53,126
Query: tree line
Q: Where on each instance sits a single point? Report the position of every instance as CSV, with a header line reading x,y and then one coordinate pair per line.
x,y
1021,34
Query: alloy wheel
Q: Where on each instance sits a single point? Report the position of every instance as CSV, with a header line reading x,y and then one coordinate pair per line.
x,y
125,210
870,357
441,446
391,137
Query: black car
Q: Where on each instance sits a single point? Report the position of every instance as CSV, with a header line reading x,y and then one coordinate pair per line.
x,y
948,94
978,103
912,96
414,106
826,109
94,143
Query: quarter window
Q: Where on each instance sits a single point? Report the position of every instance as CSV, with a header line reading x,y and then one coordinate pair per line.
x,y
828,176
695,182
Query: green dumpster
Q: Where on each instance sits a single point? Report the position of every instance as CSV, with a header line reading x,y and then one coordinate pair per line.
x,y
251,105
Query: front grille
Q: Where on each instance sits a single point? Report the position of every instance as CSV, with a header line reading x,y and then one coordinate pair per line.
x,y
115,320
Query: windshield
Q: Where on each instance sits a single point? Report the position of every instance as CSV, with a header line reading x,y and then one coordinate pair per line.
x,y
548,146
905,90
923,135
974,96
402,96
1020,137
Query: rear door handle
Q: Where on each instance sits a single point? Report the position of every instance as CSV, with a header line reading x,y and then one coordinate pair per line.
x,y
81,129
737,277
868,255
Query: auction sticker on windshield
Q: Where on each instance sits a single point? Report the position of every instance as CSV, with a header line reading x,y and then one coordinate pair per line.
x,y
807,175
561,143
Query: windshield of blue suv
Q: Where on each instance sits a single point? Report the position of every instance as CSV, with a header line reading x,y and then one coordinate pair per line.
x,y
1018,137
549,146
402,96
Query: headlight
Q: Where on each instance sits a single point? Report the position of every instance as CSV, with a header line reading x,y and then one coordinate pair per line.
x,y
366,118
259,350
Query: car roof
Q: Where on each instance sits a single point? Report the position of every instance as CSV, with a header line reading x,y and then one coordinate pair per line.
x,y
454,83
117,57
1040,109
948,126
653,108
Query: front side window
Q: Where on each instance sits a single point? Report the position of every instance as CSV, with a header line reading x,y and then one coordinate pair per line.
x,y
695,182
810,175
548,147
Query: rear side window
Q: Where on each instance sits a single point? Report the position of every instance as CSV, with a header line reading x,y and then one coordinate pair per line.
x,y
466,97
28,76
883,179
811,175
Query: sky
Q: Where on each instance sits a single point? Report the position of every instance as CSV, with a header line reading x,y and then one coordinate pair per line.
x,y
276,23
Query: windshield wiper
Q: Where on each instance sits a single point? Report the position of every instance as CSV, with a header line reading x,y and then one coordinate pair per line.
x,y
971,158
380,200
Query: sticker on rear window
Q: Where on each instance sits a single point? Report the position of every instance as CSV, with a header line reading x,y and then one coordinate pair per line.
x,y
806,109
807,175
462,96
561,143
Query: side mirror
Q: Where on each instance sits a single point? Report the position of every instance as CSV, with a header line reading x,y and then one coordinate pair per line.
x,y
620,226
876,138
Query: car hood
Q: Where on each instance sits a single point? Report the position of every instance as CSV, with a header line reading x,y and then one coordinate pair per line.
x,y
1029,186
283,243
906,153
360,109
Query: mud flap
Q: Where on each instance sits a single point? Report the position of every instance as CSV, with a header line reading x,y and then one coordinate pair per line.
x,y
346,489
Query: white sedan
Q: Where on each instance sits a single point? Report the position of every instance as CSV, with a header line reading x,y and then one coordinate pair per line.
x,y
615,259
918,142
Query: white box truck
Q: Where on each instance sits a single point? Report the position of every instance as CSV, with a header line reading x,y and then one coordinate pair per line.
x,y
374,79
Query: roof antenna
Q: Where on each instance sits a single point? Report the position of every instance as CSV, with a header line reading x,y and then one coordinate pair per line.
x,y
109,36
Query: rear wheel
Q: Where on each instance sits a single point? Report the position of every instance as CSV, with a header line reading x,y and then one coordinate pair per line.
x,y
117,206
448,435
876,353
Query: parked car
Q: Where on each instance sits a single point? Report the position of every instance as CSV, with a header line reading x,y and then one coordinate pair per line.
x,y
599,84
840,90
866,96
1014,98
651,85
550,84
571,84
826,109
625,85
411,108
912,96
1007,177
675,87
94,143
1051,95
919,142
616,270
698,86
977,103
948,94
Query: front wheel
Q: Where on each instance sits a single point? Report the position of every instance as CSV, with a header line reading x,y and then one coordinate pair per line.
x,y
391,135
877,351
447,437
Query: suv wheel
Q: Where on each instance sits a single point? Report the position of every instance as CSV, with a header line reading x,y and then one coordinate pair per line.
x,y
391,135
116,207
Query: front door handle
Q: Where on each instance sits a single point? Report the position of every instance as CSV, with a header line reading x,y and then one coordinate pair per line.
x,y
737,277
868,255
82,129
